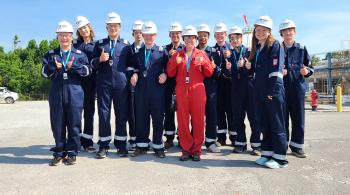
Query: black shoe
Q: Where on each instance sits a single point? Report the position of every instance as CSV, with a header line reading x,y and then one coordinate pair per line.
x,y
168,144
160,154
196,158
56,161
184,157
71,160
256,151
138,152
102,153
298,152
239,149
222,142
122,152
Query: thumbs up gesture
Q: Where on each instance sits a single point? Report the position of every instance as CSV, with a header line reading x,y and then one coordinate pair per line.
x,y
70,63
213,63
58,64
104,56
303,70
178,59
241,62
284,72
248,64
172,51
227,53
228,64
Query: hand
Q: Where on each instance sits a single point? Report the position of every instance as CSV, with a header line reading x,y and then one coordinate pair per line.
x,y
199,59
178,59
104,56
172,51
133,79
284,72
70,63
162,78
248,64
228,64
227,53
269,97
241,62
58,64
303,70
213,63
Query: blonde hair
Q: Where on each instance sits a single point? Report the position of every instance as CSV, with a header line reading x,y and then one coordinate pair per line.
x,y
92,34
269,41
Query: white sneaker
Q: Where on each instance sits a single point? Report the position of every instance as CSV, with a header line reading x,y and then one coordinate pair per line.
x,y
262,161
272,164
213,149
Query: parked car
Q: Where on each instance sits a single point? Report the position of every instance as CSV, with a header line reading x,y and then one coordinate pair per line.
x,y
7,96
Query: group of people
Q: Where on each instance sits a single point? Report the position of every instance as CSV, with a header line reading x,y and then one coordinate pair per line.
x,y
211,89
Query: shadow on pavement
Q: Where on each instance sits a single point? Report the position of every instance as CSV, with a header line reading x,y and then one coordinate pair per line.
x,y
24,155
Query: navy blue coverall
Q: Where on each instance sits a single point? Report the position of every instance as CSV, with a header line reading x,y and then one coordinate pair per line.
x,y
295,86
112,85
243,100
89,88
149,96
267,66
66,98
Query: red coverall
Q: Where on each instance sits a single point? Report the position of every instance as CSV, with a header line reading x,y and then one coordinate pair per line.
x,y
190,97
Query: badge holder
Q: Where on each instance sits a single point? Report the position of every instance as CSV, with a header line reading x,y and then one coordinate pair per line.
x,y
110,62
65,76
187,81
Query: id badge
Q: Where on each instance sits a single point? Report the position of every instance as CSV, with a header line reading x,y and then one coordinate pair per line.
x,y
65,76
145,73
187,80
110,62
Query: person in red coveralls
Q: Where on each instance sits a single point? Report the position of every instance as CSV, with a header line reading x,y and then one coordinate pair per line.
x,y
190,66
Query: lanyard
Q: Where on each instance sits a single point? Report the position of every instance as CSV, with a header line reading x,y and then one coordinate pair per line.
x,y
240,54
257,56
112,48
147,55
65,62
188,62
239,57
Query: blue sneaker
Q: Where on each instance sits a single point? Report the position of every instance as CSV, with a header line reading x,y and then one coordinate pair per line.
x,y
272,164
261,161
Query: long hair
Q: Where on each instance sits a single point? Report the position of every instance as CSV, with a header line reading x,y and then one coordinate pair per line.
x,y
92,34
269,41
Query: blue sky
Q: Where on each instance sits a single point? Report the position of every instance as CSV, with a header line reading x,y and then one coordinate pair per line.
x,y
321,25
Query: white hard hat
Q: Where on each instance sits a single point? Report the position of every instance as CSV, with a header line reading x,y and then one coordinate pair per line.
x,y
175,27
220,27
264,21
190,31
64,26
235,30
81,21
287,24
113,18
203,28
149,28
137,25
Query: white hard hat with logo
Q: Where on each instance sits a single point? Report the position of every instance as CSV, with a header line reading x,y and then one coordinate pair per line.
x,y
64,26
149,28
190,31
235,30
81,21
220,27
175,27
137,25
264,21
203,28
287,24
113,18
